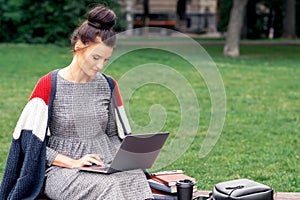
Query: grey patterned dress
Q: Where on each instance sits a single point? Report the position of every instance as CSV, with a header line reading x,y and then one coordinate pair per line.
x,y
82,124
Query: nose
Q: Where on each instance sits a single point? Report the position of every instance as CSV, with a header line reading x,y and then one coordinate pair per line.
x,y
100,64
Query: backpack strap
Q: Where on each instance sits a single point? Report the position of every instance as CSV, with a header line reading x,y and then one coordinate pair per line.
x,y
52,96
52,93
121,118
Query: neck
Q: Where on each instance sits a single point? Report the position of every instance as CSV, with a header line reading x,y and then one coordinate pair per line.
x,y
75,74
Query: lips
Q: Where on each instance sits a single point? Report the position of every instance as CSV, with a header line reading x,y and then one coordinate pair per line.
x,y
95,70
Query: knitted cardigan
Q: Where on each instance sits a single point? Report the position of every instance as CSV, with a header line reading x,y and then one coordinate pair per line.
x,y
26,163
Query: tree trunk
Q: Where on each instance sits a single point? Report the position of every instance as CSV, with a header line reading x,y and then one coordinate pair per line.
x,y
146,17
289,20
146,12
231,47
181,15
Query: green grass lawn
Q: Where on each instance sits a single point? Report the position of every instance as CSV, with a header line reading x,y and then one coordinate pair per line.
x,y
260,138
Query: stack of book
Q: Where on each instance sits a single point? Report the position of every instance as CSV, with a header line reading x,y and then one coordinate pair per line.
x,y
163,184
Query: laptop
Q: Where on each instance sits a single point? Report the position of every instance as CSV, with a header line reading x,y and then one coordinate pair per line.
x,y
137,151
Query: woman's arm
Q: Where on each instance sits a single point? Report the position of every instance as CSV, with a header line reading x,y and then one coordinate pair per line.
x,y
57,159
67,162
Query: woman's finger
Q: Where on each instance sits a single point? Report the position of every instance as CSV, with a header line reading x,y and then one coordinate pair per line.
x,y
96,161
95,156
93,159
86,162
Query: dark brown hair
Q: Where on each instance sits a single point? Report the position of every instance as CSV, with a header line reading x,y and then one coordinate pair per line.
x,y
99,24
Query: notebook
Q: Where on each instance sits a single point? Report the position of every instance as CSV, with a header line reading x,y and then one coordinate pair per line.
x,y
171,179
137,151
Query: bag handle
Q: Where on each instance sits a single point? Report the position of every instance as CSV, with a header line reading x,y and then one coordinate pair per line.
x,y
233,189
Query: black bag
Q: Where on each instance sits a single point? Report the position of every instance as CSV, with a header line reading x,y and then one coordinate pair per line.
x,y
241,189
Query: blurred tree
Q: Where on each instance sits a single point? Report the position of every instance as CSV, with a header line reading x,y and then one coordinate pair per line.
x,y
265,23
264,19
181,14
46,21
145,17
231,47
252,25
298,17
275,17
146,13
289,21
225,7
257,23
10,17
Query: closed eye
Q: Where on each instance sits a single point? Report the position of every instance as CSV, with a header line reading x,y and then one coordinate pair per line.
x,y
96,57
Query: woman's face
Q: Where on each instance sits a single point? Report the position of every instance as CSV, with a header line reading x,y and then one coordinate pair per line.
x,y
93,58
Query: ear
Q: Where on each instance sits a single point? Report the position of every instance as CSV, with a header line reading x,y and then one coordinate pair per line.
x,y
78,45
98,39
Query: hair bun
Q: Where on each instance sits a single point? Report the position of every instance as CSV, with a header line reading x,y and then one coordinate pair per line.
x,y
102,18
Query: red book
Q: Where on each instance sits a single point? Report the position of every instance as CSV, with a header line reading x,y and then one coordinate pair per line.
x,y
155,191
171,179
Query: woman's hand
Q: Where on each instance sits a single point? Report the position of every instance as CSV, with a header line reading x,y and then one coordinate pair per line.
x,y
65,161
88,159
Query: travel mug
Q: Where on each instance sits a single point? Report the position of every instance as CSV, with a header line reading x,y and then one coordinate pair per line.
x,y
184,189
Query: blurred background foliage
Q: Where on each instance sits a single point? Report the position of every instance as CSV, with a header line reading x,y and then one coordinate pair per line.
x,y
44,21
260,16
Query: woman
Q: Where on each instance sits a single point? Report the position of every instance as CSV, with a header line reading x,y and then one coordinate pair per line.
x,y
82,127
